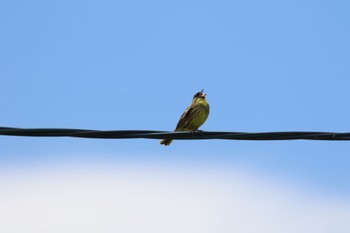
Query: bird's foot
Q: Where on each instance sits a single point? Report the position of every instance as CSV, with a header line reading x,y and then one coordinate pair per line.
x,y
197,131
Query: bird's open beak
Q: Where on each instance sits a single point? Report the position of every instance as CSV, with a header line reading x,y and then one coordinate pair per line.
x,y
202,94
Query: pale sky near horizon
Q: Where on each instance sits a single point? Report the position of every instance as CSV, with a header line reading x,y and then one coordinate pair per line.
x,y
265,65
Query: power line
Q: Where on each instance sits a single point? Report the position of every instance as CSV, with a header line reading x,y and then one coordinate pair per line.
x,y
156,134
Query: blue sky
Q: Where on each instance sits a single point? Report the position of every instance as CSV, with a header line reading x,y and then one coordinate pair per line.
x,y
265,65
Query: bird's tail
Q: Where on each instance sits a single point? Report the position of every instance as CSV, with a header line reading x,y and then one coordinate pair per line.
x,y
166,142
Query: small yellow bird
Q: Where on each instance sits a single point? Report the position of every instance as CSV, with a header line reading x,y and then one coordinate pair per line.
x,y
193,117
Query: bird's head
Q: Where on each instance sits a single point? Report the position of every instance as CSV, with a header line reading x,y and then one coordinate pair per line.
x,y
199,95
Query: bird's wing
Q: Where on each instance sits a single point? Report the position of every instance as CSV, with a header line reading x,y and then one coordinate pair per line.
x,y
187,117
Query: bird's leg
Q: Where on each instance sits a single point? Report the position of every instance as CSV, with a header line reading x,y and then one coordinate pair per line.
x,y
197,131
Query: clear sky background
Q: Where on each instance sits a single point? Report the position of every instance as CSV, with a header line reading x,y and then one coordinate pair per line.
x,y
110,65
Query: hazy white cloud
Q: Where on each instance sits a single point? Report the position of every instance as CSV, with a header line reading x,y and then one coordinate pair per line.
x,y
110,199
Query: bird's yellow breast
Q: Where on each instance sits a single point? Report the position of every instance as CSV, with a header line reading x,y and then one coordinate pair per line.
x,y
202,112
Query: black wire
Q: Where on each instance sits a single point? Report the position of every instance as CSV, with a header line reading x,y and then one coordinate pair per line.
x,y
155,134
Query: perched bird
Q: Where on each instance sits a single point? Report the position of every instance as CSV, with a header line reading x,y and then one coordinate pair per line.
x,y
193,117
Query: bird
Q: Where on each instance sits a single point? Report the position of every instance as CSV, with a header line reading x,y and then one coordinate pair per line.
x,y
193,117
